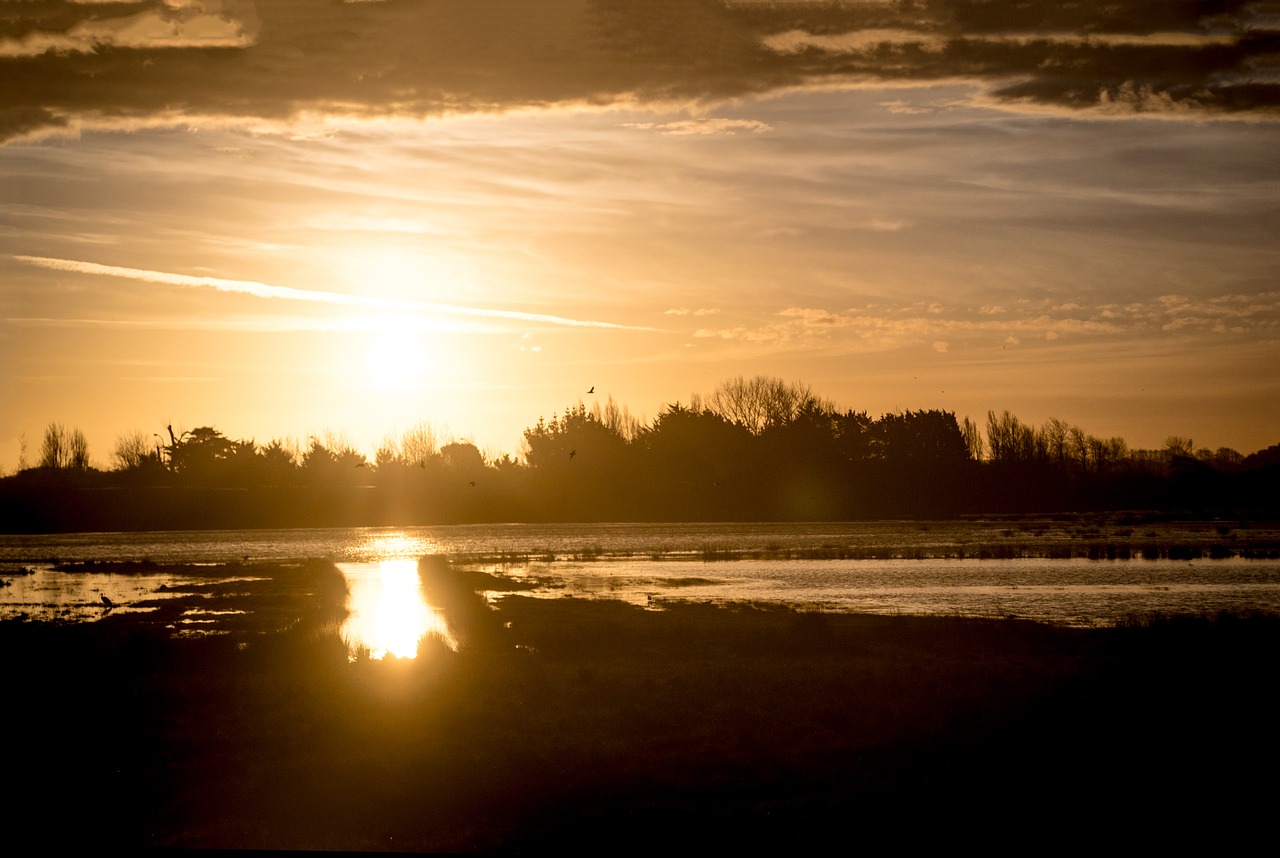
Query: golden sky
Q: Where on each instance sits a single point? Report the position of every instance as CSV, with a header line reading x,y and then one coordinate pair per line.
x,y
281,217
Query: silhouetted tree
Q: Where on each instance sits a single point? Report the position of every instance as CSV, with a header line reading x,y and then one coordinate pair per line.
x,y
1009,439
463,458
133,450
922,459
758,449
1107,454
579,465
973,440
616,418
415,446
696,464
334,461
64,449
760,402
1056,434
206,457
1225,459
278,464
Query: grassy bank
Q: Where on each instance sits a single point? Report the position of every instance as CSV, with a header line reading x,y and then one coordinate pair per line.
x,y
598,725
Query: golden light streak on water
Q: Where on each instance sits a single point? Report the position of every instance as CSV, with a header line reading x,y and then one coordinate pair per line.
x,y
388,613
394,546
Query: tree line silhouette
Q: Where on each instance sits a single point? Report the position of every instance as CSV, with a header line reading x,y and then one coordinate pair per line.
x,y
755,449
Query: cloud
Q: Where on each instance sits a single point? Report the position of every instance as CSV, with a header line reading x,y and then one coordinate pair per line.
x,y
856,41
702,127
198,25
287,293
884,326
68,65
701,311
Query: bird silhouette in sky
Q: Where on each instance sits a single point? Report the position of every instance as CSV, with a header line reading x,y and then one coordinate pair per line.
x,y
572,453
592,390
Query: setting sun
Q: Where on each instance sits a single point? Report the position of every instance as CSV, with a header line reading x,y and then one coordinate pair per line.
x,y
554,425
395,358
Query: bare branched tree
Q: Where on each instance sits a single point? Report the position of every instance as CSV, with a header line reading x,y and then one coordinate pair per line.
x,y
132,449
1056,434
63,448
420,442
973,440
53,446
616,418
1175,446
761,402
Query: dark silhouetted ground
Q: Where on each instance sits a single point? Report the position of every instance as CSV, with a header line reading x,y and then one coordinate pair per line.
x,y
568,724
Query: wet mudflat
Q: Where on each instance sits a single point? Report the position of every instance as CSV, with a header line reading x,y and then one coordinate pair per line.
x,y
571,723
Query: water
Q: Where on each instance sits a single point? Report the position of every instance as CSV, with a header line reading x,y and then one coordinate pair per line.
x,y
902,567
388,612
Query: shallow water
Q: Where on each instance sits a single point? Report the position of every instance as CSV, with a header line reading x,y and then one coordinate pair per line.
x,y
388,613
915,568
1070,592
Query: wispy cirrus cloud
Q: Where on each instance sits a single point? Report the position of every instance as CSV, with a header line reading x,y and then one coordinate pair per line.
x,y
288,293
882,327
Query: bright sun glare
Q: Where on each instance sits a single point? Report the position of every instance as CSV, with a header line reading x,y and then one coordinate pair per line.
x,y
388,613
396,358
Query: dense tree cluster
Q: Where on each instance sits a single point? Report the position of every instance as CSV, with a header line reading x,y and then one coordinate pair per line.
x,y
754,449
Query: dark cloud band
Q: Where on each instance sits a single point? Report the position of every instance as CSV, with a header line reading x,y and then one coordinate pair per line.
x,y
64,63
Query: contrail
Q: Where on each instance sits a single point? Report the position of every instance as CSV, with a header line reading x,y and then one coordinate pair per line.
x,y
315,296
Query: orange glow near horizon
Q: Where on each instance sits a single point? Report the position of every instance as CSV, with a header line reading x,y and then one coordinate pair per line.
x,y
476,238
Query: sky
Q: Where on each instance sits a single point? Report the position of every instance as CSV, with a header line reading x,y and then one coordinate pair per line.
x,y
296,218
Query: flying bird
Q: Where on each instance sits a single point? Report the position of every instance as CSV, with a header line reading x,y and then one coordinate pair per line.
x,y
592,390
572,453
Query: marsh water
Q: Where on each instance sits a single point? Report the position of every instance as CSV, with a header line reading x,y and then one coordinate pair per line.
x,y
1068,572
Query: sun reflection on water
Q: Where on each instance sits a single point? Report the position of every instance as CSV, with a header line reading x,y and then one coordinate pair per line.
x,y
393,545
388,613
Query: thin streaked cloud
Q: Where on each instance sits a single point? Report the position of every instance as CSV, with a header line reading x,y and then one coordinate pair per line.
x,y
288,293
888,327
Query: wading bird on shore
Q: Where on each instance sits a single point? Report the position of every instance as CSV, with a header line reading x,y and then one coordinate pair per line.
x,y
106,601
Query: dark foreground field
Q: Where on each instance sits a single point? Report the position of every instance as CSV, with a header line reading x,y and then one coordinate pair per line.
x,y
567,724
